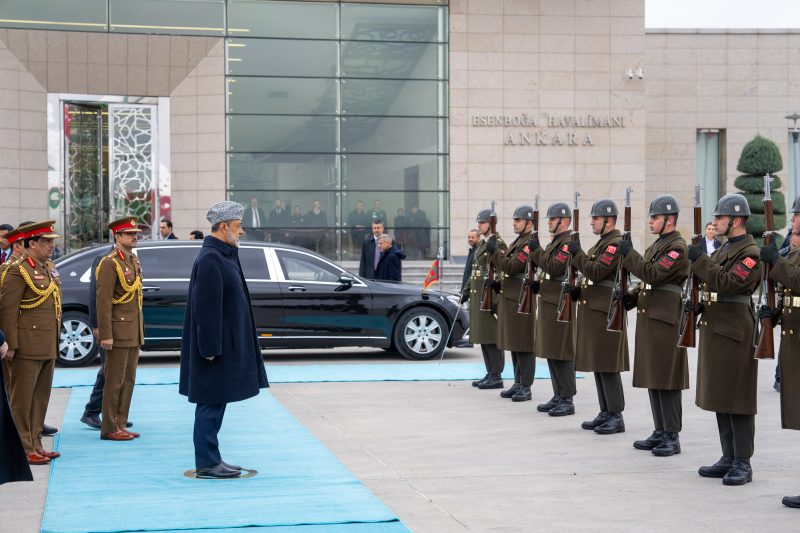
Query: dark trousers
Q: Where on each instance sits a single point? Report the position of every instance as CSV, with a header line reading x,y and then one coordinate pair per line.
x,y
207,421
524,367
95,404
562,377
737,434
609,391
667,409
493,358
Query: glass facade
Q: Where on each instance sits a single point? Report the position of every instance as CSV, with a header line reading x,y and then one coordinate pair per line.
x,y
337,115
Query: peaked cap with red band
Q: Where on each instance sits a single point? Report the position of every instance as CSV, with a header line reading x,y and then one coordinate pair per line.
x,y
13,236
125,225
46,229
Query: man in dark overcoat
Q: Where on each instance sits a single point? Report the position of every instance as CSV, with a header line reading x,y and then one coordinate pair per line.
x,y
13,463
659,365
390,265
220,355
727,372
786,271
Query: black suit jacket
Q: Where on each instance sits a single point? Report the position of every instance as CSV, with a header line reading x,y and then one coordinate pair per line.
x,y
13,465
248,220
366,267
468,266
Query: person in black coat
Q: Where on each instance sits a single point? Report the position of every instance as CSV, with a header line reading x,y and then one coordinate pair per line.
x,y
254,220
473,238
13,462
390,265
220,355
370,252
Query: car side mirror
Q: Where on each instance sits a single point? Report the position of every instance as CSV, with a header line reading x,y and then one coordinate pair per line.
x,y
345,282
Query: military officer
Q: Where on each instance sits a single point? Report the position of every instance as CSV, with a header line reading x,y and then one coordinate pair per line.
x,y
786,271
553,339
30,316
483,324
598,350
659,365
727,372
120,326
515,330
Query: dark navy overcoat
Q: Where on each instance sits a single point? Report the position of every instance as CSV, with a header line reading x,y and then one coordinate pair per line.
x,y
13,463
219,323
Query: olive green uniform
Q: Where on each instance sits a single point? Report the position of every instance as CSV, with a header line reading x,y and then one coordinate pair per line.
x,y
727,372
598,350
787,272
659,364
30,316
483,324
119,317
3,269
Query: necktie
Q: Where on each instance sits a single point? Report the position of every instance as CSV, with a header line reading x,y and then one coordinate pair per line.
x,y
2,257
256,221
377,253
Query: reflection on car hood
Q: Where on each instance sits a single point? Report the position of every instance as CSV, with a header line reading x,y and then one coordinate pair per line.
x,y
408,288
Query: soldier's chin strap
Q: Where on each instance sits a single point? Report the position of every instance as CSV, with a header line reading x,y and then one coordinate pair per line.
x,y
730,226
663,225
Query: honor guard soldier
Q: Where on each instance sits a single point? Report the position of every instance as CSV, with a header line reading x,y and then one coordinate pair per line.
x,y
786,271
553,339
120,326
598,350
659,365
515,330
30,316
483,324
727,372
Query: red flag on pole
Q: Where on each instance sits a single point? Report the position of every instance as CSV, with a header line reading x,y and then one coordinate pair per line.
x,y
433,275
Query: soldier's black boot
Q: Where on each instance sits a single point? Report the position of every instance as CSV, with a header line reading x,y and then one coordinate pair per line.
x,y
544,407
614,424
718,469
650,442
564,408
792,501
599,420
671,445
522,395
511,391
477,382
494,381
739,474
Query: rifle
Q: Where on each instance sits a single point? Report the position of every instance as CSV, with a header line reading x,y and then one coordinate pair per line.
x,y
486,300
765,348
565,299
616,310
526,293
691,289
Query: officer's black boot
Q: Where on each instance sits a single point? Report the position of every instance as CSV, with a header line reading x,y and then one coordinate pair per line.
x,y
718,469
522,395
792,501
511,391
564,408
494,381
477,382
739,474
598,420
614,424
650,442
671,445
544,407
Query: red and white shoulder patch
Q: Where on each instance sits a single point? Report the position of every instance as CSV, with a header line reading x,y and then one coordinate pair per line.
x,y
565,248
527,250
611,249
674,254
749,262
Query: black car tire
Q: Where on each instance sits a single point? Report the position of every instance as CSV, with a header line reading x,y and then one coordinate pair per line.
x,y
77,345
420,333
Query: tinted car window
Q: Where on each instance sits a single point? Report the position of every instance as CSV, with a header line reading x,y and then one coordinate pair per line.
x,y
167,263
301,267
254,264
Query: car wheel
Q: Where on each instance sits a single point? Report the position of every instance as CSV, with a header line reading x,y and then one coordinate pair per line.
x,y
77,346
420,333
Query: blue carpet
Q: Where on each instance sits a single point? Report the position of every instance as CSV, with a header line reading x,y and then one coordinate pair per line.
x,y
316,373
104,486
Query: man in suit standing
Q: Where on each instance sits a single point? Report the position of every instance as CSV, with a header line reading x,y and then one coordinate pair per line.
x,y
279,222
5,246
371,252
358,220
390,265
165,228
473,238
253,221
711,240
318,220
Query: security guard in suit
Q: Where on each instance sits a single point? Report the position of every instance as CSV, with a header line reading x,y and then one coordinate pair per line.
x,y
120,326
515,330
554,339
483,324
598,350
786,271
30,316
727,372
659,365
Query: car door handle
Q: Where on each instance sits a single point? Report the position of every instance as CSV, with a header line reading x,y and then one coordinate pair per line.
x,y
297,288
149,288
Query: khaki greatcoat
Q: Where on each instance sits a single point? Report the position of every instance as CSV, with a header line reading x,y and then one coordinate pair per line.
x,y
553,339
514,330
482,324
787,272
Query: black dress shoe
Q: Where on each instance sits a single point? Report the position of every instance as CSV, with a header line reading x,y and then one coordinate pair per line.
x,y
48,430
650,442
671,445
231,467
511,391
718,469
216,472
792,501
93,421
128,424
544,407
564,408
479,381
522,395
494,381
739,474
599,420
614,424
